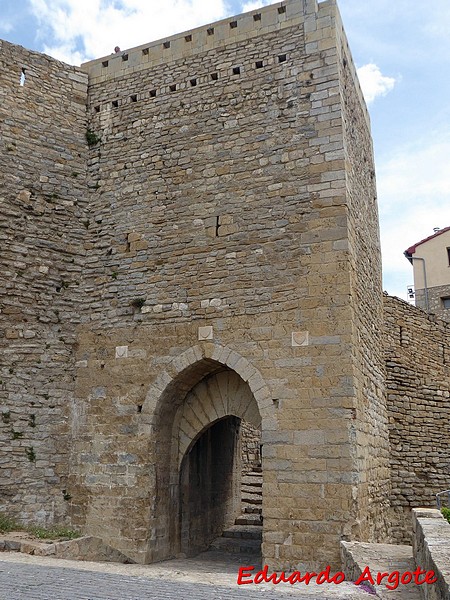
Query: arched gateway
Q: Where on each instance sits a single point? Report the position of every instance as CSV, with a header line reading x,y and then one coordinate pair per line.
x,y
192,415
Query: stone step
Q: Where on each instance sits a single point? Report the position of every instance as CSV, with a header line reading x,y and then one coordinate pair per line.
x,y
243,532
248,498
251,482
251,489
251,509
237,546
253,474
249,519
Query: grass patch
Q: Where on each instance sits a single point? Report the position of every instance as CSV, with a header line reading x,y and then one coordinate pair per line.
x,y
43,533
53,533
7,524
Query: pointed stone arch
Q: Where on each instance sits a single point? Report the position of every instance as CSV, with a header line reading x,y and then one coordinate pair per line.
x,y
194,364
171,423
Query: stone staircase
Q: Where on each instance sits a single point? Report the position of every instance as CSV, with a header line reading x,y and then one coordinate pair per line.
x,y
244,537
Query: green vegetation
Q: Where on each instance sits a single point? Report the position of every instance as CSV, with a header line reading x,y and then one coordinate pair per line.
x,y
7,524
43,533
54,533
31,454
91,138
138,302
446,513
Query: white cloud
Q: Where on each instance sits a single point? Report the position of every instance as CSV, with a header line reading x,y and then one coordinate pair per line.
x,y
254,4
373,82
5,26
78,30
414,194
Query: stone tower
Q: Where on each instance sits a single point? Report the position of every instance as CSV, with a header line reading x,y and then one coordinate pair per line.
x,y
211,255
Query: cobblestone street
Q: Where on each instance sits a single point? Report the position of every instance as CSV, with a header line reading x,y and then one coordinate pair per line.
x,y
24,577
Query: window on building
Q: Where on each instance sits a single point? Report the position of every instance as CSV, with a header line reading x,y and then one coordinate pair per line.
x,y
446,302
448,256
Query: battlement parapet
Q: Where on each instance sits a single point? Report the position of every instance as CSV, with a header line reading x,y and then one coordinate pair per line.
x,y
231,30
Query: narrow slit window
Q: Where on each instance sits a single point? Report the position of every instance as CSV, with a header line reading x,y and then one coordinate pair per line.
x,y
188,38
214,76
97,108
281,10
133,97
105,63
259,64
257,17
210,30
448,256
166,45
173,87
282,58
152,93
145,52
193,82
115,103
236,70
233,24
22,77
124,57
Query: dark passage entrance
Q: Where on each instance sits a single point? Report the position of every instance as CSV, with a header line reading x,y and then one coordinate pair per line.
x,y
210,480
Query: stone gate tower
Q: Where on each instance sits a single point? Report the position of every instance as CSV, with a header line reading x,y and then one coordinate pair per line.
x,y
210,255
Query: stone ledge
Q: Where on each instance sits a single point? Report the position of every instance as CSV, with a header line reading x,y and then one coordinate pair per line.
x,y
380,558
431,542
87,548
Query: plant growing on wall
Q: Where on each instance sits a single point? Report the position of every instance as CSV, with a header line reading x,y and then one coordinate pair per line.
x,y
91,138
138,303
31,454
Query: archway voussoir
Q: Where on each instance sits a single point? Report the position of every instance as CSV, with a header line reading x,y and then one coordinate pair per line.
x,y
262,396
162,381
252,415
233,359
179,364
256,382
208,349
243,368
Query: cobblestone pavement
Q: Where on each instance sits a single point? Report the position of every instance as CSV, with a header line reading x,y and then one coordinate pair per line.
x,y
24,577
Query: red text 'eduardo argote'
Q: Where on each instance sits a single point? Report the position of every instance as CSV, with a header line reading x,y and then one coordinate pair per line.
x,y
391,580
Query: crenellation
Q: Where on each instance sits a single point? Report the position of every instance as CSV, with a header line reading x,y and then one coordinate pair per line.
x,y
191,254
187,45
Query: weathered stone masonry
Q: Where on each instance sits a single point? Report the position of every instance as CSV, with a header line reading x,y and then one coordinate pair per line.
x,y
213,256
43,157
418,380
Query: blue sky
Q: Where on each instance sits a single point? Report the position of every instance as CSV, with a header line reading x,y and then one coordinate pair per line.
x,y
402,51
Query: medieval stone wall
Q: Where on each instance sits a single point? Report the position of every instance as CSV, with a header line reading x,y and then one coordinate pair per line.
x,y
219,231
250,447
223,264
435,297
369,429
42,227
417,352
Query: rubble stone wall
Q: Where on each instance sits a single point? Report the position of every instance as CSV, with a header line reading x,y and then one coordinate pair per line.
x,y
43,154
368,430
417,353
435,305
232,228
